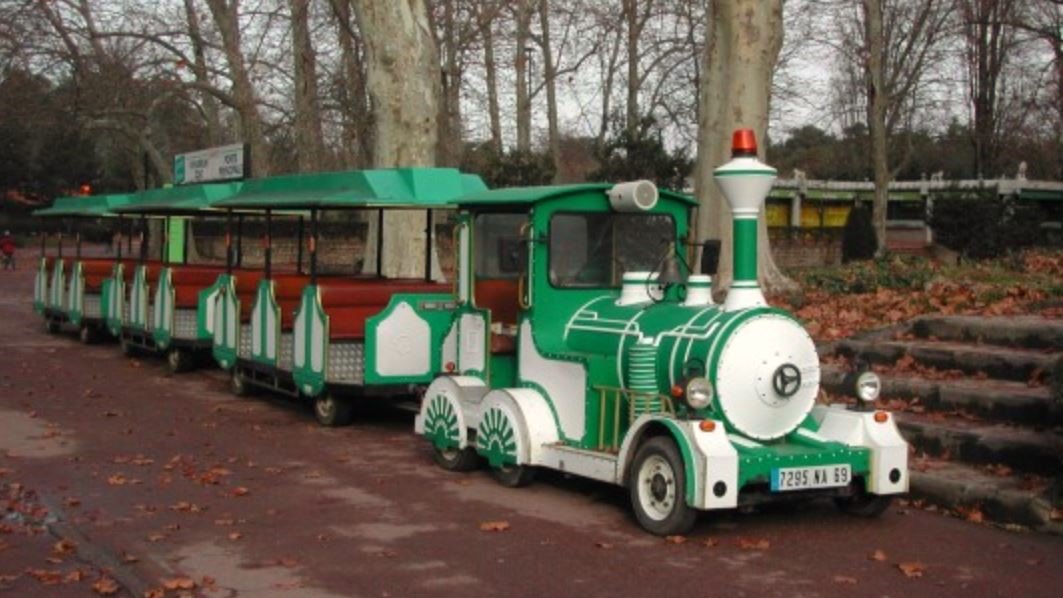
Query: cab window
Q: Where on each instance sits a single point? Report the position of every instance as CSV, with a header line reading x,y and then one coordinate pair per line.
x,y
594,249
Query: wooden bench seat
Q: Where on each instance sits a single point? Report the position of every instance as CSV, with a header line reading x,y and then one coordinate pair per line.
x,y
349,302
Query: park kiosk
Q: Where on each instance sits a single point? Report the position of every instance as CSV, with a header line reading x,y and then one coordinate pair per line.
x,y
313,334
73,290
166,305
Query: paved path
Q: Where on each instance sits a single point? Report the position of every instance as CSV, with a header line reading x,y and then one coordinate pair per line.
x,y
157,479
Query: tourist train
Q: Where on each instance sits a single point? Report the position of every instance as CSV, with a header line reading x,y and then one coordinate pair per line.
x,y
565,331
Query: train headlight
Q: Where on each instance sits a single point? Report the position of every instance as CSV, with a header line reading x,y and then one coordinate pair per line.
x,y
867,387
699,393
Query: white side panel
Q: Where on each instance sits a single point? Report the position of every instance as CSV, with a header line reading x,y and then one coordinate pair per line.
x,y
317,344
404,342
719,463
450,346
299,353
564,382
597,466
473,351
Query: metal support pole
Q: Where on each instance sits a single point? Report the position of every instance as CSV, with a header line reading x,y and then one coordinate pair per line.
x,y
313,247
143,238
380,243
299,249
428,246
240,241
77,245
118,250
228,241
184,241
267,243
164,238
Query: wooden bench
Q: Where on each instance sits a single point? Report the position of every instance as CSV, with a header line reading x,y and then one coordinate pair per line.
x,y
350,301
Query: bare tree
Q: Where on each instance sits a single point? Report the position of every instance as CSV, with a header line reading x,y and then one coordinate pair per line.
x,y
356,139
742,47
309,142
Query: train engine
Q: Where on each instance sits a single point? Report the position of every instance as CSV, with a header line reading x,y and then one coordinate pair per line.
x,y
576,344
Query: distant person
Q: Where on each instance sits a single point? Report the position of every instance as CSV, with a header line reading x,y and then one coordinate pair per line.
x,y
7,249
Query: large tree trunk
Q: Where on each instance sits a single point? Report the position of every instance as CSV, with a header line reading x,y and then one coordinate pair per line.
x,y
634,31
742,46
450,129
226,16
521,69
357,121
491,76
308,138
403,79
877,105
550,81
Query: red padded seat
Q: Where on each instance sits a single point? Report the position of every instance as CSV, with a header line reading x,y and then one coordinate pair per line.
x,y
350,302
95,272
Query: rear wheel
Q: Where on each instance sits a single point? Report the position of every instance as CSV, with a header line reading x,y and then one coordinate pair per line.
x,y
864,504
658,489
456,459
178,360
238,384
87,335
333,411
128,348
513,476
51,326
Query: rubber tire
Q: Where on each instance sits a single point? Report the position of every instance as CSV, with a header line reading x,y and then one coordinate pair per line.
x,y
513,476
128,349
682,517
864,505
464,459
332,411
238,384
51,326
178,360
87,335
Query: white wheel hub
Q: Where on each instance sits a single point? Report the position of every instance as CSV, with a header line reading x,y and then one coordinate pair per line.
x,y
656,488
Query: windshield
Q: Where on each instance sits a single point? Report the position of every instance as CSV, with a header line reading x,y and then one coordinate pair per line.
x,y
594,249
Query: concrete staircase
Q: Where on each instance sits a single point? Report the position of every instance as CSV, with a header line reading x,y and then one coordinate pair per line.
x,y
980,401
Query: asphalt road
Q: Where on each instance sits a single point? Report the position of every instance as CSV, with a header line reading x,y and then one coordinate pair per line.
x,y
120,479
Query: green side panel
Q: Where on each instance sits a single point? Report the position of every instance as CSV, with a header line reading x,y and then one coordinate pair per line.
x,y
311,337
106,288
162,319
175,246
503,371
206,301
265,325
57,286
745,252
138,299
437,309
226,323
76,294
40,286
116,298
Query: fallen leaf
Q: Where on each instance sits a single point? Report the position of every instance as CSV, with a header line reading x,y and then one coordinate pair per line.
x,y
675,539
46,576
117,480
911,569
74,576
240,491
105,586
287,561
844,579
711,542
878,555
154,593
156,537
64,546
753,544
604,545
53,560
73,502
179,583
235,536
494,526
129,559
8,578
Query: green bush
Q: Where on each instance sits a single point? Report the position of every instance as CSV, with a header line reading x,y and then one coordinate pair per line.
x,y
897,273
983,225
859,241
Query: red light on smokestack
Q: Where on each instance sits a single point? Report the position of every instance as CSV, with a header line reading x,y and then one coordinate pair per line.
x,y
743,143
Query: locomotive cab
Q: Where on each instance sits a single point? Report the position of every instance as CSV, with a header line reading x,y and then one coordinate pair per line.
x,y
616,367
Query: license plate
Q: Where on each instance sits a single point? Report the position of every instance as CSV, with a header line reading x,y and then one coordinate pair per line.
x,y
803,478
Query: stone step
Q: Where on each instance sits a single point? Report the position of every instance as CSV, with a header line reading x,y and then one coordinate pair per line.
x,y
1023,449
1000,497
1005,363
998,400
1031,332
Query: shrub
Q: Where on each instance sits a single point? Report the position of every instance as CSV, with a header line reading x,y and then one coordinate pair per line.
x,y
982,225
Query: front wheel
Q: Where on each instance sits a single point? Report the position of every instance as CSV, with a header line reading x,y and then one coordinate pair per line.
x,y
87,335
238,384
51,326
333,411
658,489
513,476
127,347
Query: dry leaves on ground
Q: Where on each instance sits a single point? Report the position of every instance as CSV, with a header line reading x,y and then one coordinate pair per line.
x,y
754,544
675,539
877,555
179,583
912,569
844,579
105,586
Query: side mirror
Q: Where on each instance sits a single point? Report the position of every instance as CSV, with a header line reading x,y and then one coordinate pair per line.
x,y
710,257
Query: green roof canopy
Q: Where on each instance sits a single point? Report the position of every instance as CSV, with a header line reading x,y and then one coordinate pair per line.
x,y
529,195
88,206
393,187
183,199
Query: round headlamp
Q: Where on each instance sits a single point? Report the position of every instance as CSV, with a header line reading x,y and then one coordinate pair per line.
x,y
699,393
868,386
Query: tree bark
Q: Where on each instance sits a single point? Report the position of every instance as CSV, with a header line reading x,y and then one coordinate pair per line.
x,y
491,76
550,82
741,49
403,81
521,69
877,104
357,121
450,129
209,104
226,16
309,143
634,31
